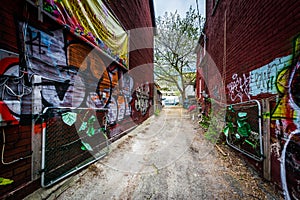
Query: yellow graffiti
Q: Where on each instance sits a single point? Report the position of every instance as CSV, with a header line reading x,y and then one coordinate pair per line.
x,y
282,80
283,108
297,45
93,20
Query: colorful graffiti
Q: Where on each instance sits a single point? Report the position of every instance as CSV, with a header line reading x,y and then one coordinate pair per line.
x,y
286,120
242,129
280,77
75,74
260,81
239,88
75,58
93,21
12,88
63,71
263,79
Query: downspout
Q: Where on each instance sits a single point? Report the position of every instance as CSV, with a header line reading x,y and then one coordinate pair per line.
x,y
201,29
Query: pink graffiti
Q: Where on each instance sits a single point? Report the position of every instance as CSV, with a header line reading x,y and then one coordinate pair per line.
x,y
239,87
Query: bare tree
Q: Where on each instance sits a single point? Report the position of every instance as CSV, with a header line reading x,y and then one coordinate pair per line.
x,y
175,60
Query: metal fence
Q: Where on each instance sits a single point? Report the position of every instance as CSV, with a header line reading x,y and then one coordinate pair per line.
x,y
72,139
244,128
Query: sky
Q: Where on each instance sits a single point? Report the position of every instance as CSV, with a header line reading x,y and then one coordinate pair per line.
x,y
182,6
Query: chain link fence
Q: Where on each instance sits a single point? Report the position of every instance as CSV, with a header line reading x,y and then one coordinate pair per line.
x,y
244,128
72,139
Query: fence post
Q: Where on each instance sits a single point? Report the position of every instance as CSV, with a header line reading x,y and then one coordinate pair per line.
x,y
266,139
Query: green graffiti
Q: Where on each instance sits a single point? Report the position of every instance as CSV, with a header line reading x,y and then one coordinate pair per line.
x,y
90,124
86,146
90,131
239,133
244,128
69,118
5,181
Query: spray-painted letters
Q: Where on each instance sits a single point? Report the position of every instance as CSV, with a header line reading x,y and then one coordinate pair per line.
x,y
263,79
239,88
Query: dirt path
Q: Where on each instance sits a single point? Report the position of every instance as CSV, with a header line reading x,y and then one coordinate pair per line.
x,y
167,158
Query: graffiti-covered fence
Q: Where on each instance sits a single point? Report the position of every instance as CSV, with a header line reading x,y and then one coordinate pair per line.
x,y
243,128
72,139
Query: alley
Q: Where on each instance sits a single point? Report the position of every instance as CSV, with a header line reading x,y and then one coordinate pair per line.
x,y
166,157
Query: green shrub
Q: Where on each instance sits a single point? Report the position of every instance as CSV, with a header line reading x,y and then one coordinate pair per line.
x,y
156,112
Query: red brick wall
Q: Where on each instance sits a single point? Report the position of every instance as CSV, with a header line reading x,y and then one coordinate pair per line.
x,y
7,25
255,45
135,16
17,137
17,145
137,19
256,33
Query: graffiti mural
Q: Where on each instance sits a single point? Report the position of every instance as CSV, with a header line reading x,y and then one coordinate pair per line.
x,y
239,88
67,72
280,79
65,87
286,122
62,73
12,88
46,58
263,79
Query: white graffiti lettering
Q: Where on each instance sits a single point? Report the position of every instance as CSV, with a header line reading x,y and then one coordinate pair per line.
x,y
239,87
142,101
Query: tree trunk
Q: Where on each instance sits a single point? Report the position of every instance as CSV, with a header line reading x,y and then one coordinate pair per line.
x,y
183,95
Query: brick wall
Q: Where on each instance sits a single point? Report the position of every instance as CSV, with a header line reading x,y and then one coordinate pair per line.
x,y
17,137
17,145
255,47
137,18
257,32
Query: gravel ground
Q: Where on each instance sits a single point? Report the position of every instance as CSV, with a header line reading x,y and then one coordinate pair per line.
x,y
166,157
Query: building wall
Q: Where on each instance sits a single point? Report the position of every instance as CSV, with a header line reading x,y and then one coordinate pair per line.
x,y
254,45
140,24
27,88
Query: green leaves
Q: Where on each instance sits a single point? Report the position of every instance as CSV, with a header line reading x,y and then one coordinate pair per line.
x,y
175,60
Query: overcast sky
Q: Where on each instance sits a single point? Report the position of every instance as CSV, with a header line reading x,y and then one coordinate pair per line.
x,y
182,6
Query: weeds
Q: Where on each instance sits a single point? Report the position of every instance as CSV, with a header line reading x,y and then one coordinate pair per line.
x,y
156,112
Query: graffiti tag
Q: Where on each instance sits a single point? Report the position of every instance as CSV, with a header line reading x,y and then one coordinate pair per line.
x,y
142,101
239,87
263,79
